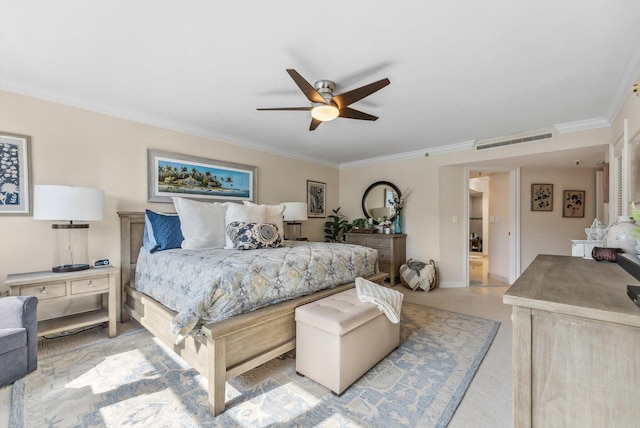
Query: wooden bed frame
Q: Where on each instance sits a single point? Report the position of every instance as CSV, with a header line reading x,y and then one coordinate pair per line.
x,y
229,347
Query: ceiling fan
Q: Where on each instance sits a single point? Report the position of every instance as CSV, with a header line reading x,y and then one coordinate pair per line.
x,y
325,106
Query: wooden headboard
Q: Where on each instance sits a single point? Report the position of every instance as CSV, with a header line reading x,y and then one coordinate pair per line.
x,y
131,232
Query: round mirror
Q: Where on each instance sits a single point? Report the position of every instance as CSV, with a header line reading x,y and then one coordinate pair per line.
x,y
377,201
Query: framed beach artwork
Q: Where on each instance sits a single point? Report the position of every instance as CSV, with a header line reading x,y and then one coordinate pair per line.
x,y
541,197
15,180
316,199
573,203
172,174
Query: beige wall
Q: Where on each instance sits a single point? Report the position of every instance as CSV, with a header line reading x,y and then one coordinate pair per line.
x,y
438,194
76,147
547,232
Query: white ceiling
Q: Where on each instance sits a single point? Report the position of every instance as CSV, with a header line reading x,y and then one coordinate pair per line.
x,y
459,70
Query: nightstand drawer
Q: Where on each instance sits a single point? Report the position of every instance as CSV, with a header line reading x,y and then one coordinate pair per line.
x,y
44,291
384,255
90,285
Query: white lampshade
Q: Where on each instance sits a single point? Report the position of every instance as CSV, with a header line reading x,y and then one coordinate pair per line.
x,y
295,211
68,203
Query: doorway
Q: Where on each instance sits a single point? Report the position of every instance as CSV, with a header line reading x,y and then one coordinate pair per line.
x,y
492,226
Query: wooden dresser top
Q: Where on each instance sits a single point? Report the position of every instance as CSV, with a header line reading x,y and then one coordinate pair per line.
x,y
576,286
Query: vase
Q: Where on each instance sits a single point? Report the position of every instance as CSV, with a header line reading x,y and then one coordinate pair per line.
x,y
397,223
619,235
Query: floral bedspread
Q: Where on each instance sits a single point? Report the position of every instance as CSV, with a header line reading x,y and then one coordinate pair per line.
x,y
211,285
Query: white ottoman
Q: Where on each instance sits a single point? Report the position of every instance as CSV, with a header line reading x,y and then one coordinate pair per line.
x,y
339,338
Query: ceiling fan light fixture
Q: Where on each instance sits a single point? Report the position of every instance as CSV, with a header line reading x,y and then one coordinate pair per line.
x,y
325,112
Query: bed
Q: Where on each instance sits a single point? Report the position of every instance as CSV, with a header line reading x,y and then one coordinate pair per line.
x,y
225,348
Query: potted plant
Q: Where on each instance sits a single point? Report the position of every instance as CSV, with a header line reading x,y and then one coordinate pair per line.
x,y
336,227
385,223
359,223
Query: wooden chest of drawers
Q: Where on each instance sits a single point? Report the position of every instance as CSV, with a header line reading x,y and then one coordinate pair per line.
x,y
391,250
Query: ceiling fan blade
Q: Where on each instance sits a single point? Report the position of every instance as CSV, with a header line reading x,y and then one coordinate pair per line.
x,y
308,90
287,108
349,113
314,124
354,95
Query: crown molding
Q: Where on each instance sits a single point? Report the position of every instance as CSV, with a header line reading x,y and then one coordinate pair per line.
x,y
583,125
629,77
456,147
146,119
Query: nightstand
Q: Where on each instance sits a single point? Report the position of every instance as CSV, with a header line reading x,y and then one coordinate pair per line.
x,y
64,299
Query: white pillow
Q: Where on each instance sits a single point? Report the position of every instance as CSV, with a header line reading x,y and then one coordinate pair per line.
x,y
252,213
274,214
202,223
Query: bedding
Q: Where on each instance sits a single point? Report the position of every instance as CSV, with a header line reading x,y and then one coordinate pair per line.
x,y
210,285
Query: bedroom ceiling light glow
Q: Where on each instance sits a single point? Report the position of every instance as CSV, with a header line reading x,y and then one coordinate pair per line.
x,y
325,112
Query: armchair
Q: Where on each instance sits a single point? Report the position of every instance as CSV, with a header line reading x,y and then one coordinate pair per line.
x,y
18,337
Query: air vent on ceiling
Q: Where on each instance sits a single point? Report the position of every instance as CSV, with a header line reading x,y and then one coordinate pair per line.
x,y
502,143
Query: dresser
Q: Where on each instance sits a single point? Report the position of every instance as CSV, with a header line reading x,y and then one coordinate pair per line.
x,y
391,250
576,345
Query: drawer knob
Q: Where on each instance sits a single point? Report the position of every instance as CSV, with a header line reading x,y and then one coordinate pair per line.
x,y
44,290
90,283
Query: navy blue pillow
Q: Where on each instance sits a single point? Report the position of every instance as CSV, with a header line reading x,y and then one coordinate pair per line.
x,y
161,231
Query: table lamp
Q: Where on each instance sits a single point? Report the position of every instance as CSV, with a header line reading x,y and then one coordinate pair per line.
x,y
70,204
294,213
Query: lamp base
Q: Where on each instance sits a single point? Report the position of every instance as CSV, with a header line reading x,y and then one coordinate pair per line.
x,y
69,268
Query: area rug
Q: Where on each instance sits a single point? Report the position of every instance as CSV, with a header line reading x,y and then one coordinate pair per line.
x,y
134,380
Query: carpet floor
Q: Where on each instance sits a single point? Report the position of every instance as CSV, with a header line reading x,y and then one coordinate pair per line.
x,y
133,380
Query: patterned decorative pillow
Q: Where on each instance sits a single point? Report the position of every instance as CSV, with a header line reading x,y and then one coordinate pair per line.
x,y
253,236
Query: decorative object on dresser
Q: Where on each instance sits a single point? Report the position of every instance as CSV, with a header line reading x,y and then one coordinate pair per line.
x,y
362,225
316,199
65,301
70,204
541,197
15,177
173,174
294,214
573,203
620,234
391,250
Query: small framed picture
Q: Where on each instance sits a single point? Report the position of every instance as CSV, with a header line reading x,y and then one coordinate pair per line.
x,y
15,178
316,199
541,197
573,203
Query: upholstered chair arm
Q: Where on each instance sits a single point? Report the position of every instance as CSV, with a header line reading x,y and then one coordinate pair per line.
x,y
21,312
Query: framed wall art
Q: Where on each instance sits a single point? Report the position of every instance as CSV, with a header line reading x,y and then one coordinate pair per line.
x,y
15,178
172,174
541,197
573,203
316,199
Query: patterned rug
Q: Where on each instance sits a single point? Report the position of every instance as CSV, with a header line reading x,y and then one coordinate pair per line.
x,y
134,380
